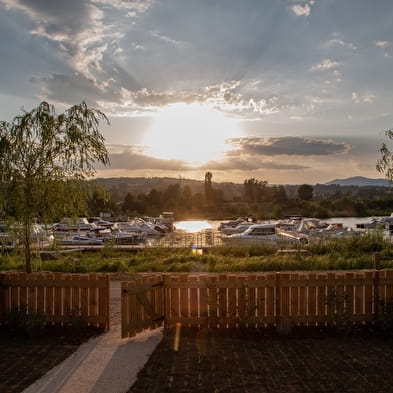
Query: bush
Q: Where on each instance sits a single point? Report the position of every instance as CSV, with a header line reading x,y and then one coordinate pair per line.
x,y
20,322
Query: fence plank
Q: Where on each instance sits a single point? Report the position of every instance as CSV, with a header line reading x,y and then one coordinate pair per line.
x,y
75,295
232,302
303,300
285,299
270,299
103,302
349,290
194,312
125,309
22,291
184,297
41,296
93,296
359,295
222,303
294,295
321,294
67,296
251,298
203,301
368,296
312,296
174,299
213,303
389,286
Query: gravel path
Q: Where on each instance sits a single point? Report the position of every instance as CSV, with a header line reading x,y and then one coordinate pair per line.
x,y
104,364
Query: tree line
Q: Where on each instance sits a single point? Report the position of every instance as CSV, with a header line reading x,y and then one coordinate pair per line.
x,y
258,199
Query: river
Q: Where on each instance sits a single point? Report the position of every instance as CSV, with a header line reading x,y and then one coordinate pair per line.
x,y
193,226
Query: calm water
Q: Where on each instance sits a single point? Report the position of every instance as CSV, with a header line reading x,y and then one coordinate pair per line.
x,y
193,226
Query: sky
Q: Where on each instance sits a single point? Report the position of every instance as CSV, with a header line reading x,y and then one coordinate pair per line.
x,y
285,91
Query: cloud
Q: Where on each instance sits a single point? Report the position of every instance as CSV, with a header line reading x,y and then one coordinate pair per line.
x,y
133,158
383,44
338,42
226,97
83,36
303,8
327,64
293,146
133,7
366,98
160,36
247,164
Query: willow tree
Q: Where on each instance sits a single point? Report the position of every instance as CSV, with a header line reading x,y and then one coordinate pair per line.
x,y
44,160
385,163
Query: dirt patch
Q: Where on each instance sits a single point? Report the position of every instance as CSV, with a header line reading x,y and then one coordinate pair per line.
x,y
25,359
249,361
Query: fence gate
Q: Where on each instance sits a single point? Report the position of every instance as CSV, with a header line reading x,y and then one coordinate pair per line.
x,y
142,305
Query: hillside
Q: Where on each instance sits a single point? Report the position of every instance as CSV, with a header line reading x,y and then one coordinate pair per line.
x,y
359,181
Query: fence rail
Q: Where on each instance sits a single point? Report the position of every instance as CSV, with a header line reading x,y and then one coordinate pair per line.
x,y
261,299
60,298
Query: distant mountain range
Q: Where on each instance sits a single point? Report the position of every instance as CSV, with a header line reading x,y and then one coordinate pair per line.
x,y
359,181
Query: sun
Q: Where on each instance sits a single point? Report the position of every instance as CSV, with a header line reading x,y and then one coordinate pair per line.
x,y
193,133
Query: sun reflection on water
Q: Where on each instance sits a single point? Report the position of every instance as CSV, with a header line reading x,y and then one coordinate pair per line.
x,y
193,226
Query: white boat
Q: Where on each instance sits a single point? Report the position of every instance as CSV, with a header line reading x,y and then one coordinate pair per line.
x,y
120,237
166,221
74,225
139,225
77,240
232,223
254,234
229,230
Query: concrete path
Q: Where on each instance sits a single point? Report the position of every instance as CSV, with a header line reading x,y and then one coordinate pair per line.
x,y
104,364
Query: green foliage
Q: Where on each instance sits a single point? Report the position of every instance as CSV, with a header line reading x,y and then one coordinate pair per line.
x,y
22,322
44,157
339,309
385,163
305,192
385,315
78,321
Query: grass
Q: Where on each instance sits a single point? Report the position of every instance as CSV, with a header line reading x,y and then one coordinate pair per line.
x,y
336,254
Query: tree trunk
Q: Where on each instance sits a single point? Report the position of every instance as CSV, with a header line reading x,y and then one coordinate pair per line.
x,y
27,242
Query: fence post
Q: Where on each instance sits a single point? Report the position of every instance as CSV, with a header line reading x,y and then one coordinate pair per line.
x,y
108,302
377,268
2,300
377,261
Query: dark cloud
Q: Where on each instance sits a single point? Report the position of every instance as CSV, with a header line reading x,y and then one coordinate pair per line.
x,y
250,163
293,146
132,158
56,16
69,89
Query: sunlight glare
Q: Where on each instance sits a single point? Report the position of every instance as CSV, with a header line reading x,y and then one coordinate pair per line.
x,y
193,133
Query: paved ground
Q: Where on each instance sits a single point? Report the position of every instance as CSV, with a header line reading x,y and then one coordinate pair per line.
x,y
236,361
105,364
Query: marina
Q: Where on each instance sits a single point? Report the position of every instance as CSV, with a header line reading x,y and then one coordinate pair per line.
x,y
140,233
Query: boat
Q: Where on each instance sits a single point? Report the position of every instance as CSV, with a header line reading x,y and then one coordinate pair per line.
x,y
227,225
254,234
120,237
139,225
166,221
77,240
229,230
67,225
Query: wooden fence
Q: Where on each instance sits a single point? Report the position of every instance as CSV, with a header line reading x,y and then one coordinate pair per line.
x,y
257,300
61,298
